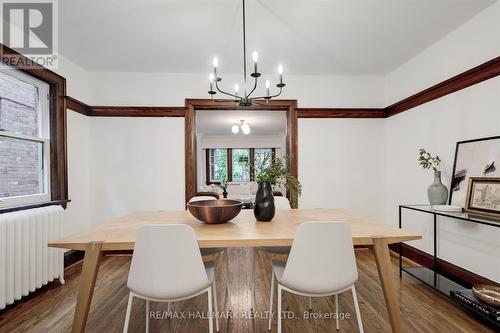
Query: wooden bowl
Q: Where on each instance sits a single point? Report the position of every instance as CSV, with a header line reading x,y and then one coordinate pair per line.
x,y
487,293
215,211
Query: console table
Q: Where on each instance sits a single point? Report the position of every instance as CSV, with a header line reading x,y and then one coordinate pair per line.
x,y
433,276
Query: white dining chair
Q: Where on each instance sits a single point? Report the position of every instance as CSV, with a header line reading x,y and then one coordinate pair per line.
x,y
202,198
208,252
157,275
280,203
321,263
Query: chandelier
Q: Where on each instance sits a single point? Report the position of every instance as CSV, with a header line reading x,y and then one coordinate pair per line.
x,y
246,99
245,128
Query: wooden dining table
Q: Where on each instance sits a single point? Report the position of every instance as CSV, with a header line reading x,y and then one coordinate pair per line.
x,y
243,231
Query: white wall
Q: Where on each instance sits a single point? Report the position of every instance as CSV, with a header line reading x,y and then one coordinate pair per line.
x,y
77,215
467,114
341,164
137,164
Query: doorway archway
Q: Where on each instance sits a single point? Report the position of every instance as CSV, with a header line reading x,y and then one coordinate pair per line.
x,y
192,105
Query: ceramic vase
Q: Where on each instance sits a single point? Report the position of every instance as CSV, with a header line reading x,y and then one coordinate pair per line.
x,y
264,203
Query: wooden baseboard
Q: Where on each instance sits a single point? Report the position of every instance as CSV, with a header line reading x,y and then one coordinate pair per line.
x,y
453,271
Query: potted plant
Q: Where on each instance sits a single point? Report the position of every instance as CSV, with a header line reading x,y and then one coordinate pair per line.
x,y
437,192
270,172
223,187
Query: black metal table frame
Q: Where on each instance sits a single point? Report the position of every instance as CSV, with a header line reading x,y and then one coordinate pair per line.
x,y
422,273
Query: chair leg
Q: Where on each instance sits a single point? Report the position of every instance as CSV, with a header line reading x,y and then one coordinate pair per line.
x,y
271,301
214,291
337,312
356,306
127,316
279,308
210,314
147,316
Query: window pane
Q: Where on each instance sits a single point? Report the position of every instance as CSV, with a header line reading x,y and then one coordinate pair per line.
x,y
263,159
218,165
241,170
20,167
18,106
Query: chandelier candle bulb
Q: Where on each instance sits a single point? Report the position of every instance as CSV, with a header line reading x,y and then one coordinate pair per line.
x,y
255,57
236,89
268,85
280,72
211,79
216,64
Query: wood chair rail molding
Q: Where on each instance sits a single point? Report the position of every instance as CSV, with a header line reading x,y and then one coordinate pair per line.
x,y
478,74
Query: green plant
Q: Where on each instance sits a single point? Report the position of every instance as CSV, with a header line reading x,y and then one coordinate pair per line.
x,y
223,185
275,171
427,161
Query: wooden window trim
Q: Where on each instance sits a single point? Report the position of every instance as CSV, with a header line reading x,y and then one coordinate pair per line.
x,y
229,164
58,122
252,163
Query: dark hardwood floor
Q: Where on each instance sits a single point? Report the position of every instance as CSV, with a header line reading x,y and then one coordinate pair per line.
x,y
51,309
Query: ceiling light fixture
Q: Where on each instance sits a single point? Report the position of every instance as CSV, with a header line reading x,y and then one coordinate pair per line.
x,y
245,128
245,99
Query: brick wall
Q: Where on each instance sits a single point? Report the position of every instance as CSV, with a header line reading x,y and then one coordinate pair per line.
x,y
19,160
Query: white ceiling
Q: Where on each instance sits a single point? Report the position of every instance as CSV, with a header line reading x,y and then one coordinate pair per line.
x,y
357,37
220,122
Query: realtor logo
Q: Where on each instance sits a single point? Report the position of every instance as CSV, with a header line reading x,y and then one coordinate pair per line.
x,y
30,28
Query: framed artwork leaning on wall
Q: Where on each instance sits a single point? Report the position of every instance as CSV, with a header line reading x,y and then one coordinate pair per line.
x,y
483,196
473,158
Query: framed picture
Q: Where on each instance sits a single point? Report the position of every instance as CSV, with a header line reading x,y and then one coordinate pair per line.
x,y
473,158
483,196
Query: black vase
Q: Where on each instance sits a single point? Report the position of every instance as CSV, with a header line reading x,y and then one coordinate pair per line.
x,y
264,203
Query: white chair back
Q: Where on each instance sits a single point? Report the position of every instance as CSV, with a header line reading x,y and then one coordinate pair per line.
x,y
201,198
281,203
167,263
321,259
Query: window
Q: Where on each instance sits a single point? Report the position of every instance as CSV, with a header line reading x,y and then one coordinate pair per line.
x,y
218,165
24,139
233,164
241,168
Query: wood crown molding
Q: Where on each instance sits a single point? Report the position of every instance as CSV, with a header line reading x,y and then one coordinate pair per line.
x,y
483,72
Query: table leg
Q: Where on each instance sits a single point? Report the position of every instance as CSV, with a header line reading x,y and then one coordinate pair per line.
x,y
88,277
386,275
